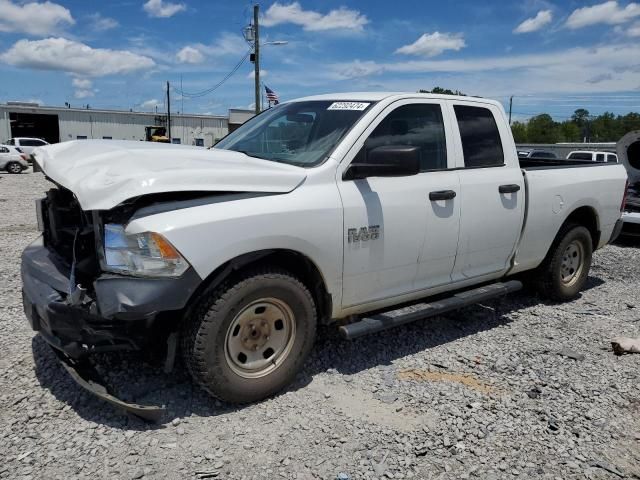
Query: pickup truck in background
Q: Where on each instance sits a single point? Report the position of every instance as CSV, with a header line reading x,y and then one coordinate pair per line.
x,y
593,156
333,208
543,154
628,148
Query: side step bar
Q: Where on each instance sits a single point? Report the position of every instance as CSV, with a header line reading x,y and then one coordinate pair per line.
x,y
383,321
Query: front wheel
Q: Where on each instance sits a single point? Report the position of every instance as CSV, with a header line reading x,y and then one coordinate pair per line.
x,y
14,167
565,270
250,337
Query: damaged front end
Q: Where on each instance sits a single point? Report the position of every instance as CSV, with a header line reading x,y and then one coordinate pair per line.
x,y
78,307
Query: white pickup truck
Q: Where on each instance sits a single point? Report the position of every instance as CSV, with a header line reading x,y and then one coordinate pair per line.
x,y
332,208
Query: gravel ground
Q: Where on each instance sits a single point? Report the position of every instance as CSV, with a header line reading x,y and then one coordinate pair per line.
x,y
481,393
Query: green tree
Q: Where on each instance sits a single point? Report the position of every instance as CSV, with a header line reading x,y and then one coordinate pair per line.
x,y
570,132
580,117
542,129
442,91
605,128
628,123
519,130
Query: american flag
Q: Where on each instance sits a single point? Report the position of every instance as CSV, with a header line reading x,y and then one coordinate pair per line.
x,y
272,96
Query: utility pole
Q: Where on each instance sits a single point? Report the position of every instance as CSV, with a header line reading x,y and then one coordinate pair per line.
x,y
256,55
168,113
510,105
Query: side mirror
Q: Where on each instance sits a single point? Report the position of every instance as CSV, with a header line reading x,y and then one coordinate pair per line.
x,y
385,161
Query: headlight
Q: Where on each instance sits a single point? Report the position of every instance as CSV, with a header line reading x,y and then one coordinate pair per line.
x,y
147,254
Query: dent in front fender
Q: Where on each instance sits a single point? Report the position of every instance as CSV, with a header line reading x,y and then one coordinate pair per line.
x,y
141,296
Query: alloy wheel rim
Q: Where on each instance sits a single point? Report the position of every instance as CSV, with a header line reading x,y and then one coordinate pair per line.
x,y
260,338
14,168
572,263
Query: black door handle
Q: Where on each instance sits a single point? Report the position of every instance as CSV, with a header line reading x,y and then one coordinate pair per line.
x,y
442,195
508,188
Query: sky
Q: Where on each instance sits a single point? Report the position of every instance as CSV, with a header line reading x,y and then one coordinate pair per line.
x,y
551,56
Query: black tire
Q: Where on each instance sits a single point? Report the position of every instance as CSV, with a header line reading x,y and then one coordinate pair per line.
x,y
549,275
13,167
207,335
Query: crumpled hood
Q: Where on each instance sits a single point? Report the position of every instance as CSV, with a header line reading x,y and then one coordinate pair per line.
x,y
104,173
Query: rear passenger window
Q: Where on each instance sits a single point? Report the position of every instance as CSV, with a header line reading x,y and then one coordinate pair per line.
x,y
612,158
599,157
418,124
481,143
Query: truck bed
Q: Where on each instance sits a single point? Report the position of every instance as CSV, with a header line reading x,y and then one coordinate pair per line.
x,y
541,163
557,188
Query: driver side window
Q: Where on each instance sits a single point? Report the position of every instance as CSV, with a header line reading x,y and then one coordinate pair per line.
x,y
418,124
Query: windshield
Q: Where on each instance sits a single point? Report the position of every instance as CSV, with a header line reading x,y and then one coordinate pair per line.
x,y
298,133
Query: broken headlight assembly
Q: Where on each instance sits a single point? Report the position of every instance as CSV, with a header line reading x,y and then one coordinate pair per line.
x,y
146,254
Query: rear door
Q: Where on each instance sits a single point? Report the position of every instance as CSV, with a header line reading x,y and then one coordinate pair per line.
x,y
492,191
395,213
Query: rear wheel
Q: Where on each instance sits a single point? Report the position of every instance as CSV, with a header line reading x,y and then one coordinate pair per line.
x,y
249,337
565,270
14,167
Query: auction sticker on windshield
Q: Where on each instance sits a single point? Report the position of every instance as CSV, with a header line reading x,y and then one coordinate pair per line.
x,y
348,106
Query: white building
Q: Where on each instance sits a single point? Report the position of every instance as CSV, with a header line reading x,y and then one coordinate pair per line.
x,y
59,124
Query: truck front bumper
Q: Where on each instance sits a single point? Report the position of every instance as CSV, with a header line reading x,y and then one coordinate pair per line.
x,y
124,315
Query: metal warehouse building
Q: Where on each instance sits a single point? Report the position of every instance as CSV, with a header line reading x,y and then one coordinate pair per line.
x,y
58,124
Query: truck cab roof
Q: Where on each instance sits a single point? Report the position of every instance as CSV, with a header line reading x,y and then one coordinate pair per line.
x,y
378,96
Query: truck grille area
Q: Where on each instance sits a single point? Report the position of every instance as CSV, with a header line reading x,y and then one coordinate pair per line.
x,y
67,228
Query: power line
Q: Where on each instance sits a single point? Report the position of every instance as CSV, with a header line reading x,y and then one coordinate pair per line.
x,y
217,85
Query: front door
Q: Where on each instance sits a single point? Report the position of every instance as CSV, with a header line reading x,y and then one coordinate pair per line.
x,y
396,239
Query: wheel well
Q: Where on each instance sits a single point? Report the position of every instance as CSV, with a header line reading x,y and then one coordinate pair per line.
x,y
298,264
588,218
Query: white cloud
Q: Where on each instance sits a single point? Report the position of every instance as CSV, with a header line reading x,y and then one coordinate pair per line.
x,y
602,77
82,83
634,30
535,23
162,9
151,104
102,24
73,57
341,18
574,70
83,93
228,44
433,44
252,73
608,12
357,69
84,88
190,54
33,18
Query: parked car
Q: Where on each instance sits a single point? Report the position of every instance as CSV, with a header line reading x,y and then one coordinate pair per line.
x,y
329,209
11,160
26,144
542,154
593,156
